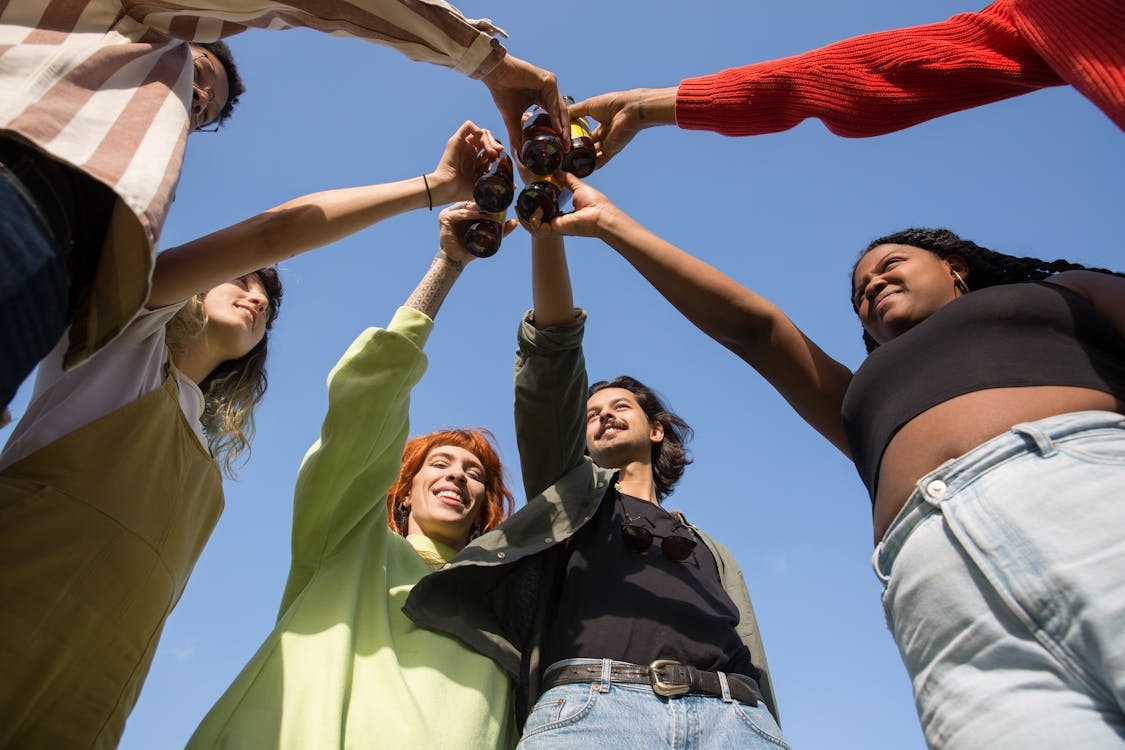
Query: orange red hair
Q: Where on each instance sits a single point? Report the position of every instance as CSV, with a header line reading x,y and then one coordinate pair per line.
x,y
499,502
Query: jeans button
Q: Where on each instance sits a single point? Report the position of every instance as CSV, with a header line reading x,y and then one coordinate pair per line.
x,y
936,489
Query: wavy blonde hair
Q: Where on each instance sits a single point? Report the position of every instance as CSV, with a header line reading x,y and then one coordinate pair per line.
x,y
235,387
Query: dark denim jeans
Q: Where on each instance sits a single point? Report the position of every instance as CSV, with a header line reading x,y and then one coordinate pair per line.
x,y
33,286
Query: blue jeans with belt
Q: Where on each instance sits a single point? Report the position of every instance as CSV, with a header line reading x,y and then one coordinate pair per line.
x,y
1004,587
605,714
33,286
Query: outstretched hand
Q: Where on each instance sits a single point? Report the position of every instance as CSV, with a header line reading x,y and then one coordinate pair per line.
x,y
453,176
591,207
623,114
451,228
515,85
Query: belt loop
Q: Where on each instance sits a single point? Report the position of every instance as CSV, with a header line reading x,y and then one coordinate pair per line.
x,y
724,687
1043,443
884,579
604,682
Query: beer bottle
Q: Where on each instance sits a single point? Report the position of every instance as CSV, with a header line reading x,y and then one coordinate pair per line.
x,y
482,236
494,183
541,150
582,157
544,194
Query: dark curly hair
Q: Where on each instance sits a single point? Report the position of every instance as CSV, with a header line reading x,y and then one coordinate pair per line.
x,y
670,456
986,267
234,81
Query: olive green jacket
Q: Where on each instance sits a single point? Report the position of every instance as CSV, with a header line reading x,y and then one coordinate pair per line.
x,y
495,595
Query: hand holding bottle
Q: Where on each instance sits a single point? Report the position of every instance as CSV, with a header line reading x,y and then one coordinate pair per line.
x,y
590,217
454,175
465,232
623,114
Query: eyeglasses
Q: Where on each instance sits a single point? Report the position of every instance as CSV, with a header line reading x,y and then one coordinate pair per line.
x,y
637,538
200,93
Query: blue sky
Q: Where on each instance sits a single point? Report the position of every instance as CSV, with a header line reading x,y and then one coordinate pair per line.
x,y
784,214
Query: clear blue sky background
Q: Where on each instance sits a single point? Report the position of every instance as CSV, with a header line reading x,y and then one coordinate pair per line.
x,y
784,214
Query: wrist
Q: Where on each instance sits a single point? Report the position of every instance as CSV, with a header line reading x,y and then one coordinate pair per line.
x,y
610,223
454,260
442,186
493,77
656,107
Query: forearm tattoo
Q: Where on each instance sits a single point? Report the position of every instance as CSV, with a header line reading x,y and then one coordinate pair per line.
x,y
435,285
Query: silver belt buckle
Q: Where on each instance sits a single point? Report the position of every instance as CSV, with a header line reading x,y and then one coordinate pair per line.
x,y
666,688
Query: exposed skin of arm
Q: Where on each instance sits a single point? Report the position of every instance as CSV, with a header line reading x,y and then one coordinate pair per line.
x,y
623,114
550,283
746,323
450,260
311,221
1105,292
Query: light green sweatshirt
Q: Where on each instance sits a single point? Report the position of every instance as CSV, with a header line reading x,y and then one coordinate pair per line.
x,y
343,667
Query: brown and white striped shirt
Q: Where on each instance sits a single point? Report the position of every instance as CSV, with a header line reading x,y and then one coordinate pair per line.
x,y
105,87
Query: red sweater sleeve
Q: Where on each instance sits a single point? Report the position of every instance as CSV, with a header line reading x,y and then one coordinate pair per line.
x,y
877,83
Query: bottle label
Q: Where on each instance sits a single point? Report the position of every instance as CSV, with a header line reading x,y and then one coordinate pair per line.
x,y
579,128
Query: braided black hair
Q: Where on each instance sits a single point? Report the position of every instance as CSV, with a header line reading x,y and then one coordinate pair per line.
x,y
986,267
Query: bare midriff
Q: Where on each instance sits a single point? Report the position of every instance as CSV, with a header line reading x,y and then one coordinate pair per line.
x,y
955,427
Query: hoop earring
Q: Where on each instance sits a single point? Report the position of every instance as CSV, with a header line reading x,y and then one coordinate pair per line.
x,y
959,282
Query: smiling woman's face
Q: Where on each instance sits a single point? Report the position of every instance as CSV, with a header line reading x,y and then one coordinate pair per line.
x,y
896,287
236,312
446,495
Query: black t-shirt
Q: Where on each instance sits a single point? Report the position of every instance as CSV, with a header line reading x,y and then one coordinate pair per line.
x,y
618,603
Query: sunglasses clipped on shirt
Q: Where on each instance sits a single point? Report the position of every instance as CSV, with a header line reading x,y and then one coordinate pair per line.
x,y
637,538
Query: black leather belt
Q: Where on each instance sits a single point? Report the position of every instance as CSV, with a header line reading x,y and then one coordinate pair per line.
x,y
667,678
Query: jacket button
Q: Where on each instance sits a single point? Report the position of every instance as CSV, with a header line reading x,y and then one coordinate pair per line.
x,y
936,488
548,540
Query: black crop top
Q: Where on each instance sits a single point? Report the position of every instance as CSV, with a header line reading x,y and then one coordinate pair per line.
x,y
1026,334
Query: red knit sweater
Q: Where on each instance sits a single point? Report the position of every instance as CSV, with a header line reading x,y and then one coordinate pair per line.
x,y
891,80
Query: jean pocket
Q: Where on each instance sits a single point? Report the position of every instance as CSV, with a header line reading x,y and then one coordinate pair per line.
x,y
1103,446
759,719
559,707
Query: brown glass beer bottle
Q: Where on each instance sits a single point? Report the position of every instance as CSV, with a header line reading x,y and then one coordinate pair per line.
x,y
494,183
582,157
544,194
482,236
541,150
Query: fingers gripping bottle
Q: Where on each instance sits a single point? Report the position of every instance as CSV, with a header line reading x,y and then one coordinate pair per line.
x,y
494,183
541,150
482,236
582,157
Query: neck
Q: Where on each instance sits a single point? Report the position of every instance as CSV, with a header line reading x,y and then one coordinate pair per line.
x,y
455,543
198,359
635,480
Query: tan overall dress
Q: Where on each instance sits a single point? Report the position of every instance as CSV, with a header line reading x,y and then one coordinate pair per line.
x,y
99,532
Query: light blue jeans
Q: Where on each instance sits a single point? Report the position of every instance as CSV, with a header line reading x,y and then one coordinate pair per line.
x,y
606,714
1004,587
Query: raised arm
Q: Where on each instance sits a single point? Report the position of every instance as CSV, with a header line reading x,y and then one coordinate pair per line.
x,y
312,221
749,325
433,32
889,80
550,373
346,474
